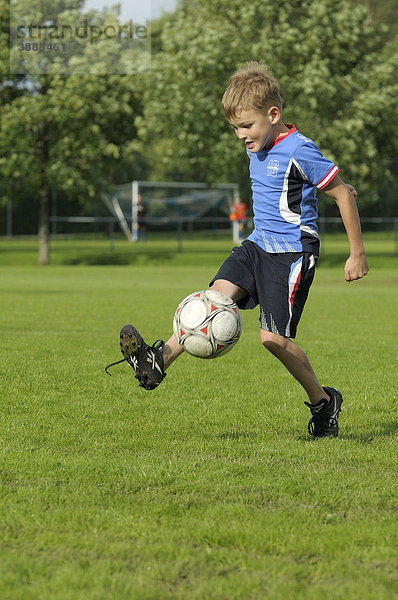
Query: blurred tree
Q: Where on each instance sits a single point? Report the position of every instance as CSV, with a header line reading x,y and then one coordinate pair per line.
x,y
337,75
382,13
65,130
336,64
10,85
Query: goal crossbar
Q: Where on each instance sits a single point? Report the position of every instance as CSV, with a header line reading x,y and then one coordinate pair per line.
x,y
191,200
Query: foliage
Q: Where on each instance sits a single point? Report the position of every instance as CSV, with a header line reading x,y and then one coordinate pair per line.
x,y
69,131
338,80
336,63
383,13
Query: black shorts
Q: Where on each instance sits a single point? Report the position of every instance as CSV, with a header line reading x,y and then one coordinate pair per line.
x,y
279,283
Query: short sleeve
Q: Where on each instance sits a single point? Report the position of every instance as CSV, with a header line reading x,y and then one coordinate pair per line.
x,y
317,169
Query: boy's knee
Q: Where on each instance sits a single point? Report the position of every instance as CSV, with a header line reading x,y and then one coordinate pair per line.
x,y
272,341
229,289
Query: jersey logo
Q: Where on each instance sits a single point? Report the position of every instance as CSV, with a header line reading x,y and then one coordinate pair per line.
x,y
272,168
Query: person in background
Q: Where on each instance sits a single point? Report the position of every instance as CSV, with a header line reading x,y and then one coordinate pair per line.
x,y
238,215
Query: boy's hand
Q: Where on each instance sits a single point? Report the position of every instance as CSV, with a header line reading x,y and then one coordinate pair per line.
x,y
356,268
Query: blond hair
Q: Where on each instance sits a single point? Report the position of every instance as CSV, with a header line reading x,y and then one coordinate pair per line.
x,y
251,88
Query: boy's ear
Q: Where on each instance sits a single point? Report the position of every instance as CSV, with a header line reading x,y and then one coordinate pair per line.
x,y
275,114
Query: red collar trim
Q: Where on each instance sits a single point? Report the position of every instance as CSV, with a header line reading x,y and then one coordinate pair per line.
x,y
280,138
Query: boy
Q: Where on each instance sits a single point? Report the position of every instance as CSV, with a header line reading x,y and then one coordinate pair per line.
x,y
275,266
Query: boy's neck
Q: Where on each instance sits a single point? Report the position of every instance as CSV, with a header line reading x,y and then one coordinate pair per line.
x,y
280,130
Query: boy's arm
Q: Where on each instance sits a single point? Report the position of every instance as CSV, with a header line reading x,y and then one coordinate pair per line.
x,y
352,190
356,266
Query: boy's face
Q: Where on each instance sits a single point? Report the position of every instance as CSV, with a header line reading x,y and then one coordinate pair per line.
x,y
254,128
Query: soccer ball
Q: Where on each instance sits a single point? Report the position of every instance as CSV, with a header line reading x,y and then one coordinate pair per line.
x,y
207,324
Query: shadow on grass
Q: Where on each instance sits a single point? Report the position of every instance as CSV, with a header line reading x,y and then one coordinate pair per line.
x,y
367,437
384,430
337,260
118,259
190,255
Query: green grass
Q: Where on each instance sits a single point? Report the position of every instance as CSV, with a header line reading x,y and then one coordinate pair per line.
x,y
161,249
207,488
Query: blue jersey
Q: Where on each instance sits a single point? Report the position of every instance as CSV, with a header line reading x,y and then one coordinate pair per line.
x,y
284,181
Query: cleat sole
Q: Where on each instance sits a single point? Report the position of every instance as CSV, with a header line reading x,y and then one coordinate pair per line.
x,y
128,341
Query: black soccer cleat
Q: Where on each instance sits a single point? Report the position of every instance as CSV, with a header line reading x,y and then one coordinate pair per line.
x,y
325,415
147,361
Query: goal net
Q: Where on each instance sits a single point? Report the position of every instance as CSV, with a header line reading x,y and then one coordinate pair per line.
x,y
171,205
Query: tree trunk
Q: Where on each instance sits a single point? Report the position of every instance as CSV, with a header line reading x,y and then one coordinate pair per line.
x,y
44,194
44,225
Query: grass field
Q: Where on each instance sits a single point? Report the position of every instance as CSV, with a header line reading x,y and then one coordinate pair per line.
x,y
207,488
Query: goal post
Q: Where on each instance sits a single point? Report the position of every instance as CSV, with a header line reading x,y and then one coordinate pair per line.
x,y
171,205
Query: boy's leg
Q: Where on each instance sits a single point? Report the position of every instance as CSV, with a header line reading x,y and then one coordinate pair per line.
x,y
150,362
296,362
231,290
325,402
172,349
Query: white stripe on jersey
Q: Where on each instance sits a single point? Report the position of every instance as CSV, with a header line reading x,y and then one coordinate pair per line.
x,y
328,178
285,211
309,230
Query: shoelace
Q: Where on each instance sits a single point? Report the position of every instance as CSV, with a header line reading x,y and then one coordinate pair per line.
x,y
113,364
159,346
319,423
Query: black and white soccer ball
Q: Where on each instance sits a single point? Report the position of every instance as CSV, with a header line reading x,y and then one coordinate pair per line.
x,y
207,324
